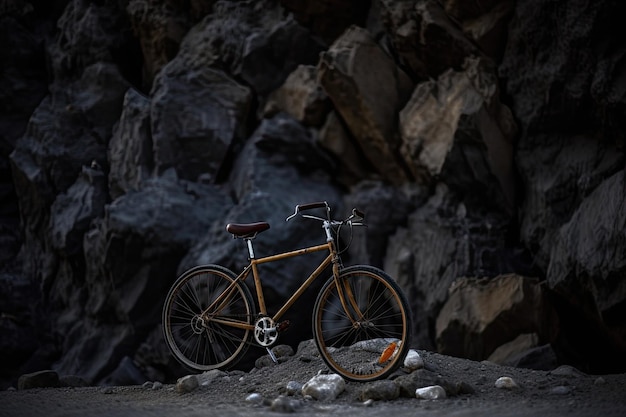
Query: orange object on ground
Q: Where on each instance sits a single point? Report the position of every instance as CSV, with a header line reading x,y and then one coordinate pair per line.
x,y
384,357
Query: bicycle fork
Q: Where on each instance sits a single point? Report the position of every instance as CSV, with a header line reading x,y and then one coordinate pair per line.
x,y
346,296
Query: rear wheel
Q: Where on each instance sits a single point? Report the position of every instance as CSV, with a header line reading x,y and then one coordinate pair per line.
x,y
205,341
367,336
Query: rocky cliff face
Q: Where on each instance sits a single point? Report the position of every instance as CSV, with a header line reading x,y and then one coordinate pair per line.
x,y
485,143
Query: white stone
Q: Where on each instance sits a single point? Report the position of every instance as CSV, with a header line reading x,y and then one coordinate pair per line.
x,y
254,398
434,392
413,360
505,382
324,387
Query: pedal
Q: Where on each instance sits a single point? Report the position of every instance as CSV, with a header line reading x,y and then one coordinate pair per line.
x,y
283,325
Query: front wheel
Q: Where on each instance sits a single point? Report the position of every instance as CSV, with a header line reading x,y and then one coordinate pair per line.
x,y
201,338
362,326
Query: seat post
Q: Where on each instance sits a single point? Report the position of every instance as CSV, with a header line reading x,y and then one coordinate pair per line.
x,y
250,249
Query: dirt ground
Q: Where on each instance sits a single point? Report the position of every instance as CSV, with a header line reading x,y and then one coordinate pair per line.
x,y
563,392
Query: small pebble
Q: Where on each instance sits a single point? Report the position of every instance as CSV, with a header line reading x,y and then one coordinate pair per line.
x,y
254,398
434,392
599,381
506,382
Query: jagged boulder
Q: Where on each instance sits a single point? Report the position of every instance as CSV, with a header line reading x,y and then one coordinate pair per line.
x,y
482,314
159,33
130,152
195,119
301,97
350,73
88,33
485,23
460,110
131,255
350,167
575,266
419,31
255,41
66,132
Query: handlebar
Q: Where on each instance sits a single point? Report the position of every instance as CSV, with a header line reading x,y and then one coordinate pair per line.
x,y
357,215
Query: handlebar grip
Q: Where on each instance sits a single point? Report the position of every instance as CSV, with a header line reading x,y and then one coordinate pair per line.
x,y
309,206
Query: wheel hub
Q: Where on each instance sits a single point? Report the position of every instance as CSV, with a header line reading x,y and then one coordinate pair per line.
x,y
197,324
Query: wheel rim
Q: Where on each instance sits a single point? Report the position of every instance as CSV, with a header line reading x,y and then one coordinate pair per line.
x,y
196,341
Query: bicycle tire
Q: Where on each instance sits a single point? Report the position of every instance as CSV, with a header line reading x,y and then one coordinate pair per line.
x,y
202,345
356,350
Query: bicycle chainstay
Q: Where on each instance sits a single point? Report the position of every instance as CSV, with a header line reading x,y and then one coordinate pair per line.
x,y
250,340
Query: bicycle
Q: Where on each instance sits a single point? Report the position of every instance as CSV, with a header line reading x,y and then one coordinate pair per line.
x,y
361,318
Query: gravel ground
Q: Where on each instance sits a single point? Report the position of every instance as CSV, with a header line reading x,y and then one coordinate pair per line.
x,y
562,392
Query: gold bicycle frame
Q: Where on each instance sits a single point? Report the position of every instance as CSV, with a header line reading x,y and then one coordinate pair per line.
x,y
332,257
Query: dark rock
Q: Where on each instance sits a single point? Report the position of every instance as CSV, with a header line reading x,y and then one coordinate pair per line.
x,y
485,23
270,56
385,208
575,266
418,29
540,358
195,119
88,34
130,150
40,379
160,33
385,390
